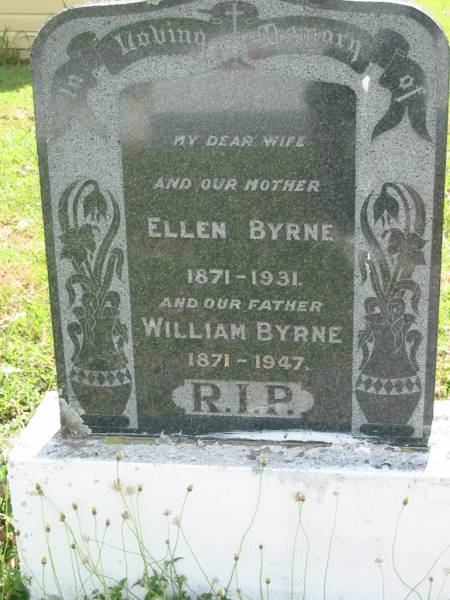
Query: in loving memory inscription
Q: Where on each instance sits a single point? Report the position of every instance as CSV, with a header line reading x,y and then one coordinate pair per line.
x,y
243,213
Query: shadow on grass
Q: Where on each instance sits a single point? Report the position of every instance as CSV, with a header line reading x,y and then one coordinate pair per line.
x,y
14,77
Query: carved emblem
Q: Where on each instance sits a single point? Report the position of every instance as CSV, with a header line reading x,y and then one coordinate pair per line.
x,y
89,221
388,385
265,38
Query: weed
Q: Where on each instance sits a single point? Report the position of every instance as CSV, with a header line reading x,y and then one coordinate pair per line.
x,y
300,498
160,577
379,563
8,54
393,548
12,585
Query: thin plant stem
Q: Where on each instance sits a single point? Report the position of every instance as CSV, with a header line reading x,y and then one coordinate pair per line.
x,y
52,504
99,549
258,501
124,549
380,566
43,581
433,564
52,563
441,589
173,574
78,570
6,516
394,542
308,546
119,549
191,550
430,588
250,525
261,568
99,562
236,577
50,553
137,532
188,491
168,555
70,532
153,562
80,531
30,571
177,539
85,559
297,531
86,550
93,571
141,548
71,558
327,564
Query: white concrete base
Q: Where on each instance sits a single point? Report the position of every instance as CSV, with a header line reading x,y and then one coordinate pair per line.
x,y
367,483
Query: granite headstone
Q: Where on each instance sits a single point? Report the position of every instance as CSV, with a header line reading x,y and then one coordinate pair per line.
x,y
243,213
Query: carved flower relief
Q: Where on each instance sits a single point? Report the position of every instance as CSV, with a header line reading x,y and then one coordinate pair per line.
x,y
94,205
403,247
77,242
95,263
407,245
393,254
100,379
385,208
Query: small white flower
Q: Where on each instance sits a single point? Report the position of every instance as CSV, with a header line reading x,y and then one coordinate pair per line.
x,y
177,521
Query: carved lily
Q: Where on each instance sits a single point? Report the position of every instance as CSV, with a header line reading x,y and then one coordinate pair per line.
x,y
385,207
408,246
77,243
94,204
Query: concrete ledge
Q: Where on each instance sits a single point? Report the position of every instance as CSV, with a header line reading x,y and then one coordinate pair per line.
x,y
354,493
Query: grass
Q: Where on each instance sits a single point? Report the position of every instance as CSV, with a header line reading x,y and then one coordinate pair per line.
x,y
440,10
26,354
8,54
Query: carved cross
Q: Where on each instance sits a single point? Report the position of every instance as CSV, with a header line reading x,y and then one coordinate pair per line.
x,y
235,13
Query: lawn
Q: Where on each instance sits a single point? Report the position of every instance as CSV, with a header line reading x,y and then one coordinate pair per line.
x,y
26,354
